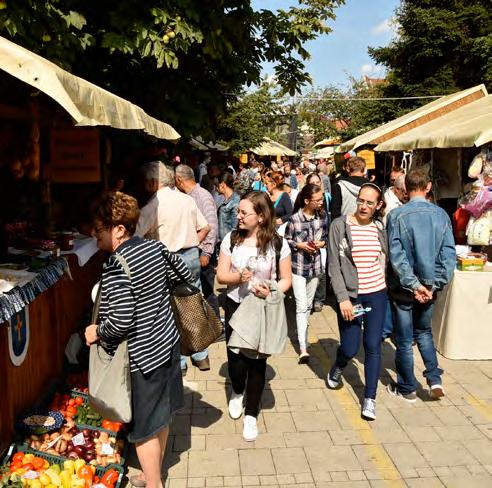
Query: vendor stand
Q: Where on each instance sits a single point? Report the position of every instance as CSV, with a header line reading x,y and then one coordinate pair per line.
x,y
45,291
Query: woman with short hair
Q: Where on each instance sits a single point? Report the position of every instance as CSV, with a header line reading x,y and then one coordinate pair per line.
x,y
135,305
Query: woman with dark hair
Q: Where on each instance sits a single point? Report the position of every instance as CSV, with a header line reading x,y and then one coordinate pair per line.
x,y
320,295
281,200
357,261
227,212
135,305
247,263
306,233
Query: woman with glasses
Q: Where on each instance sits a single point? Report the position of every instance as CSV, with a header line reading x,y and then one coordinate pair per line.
x,y
356,263
251,251
306,233
227,212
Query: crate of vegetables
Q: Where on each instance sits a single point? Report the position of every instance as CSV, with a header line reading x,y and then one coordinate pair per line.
x,y
71,442
26,468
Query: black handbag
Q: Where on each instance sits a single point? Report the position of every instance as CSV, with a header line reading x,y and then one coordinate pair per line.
x,y
197,323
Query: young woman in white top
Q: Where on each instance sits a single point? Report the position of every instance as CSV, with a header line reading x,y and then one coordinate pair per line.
x,y
248,258
357,258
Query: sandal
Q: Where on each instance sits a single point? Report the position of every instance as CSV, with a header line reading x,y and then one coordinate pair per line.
x,y
137,481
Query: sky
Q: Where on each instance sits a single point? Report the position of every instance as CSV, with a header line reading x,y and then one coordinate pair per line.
x,y
343,52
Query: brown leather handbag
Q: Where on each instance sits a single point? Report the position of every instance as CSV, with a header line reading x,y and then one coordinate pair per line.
x,y
197,322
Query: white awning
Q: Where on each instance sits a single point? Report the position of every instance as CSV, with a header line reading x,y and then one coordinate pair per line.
x,y
467,126
88,104
272,148
416,118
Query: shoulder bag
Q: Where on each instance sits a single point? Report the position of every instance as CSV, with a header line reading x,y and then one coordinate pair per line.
x,y
196,321
109,376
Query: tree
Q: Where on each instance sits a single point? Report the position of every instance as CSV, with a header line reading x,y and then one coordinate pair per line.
x,y
251,118
442,46
335,112
181,60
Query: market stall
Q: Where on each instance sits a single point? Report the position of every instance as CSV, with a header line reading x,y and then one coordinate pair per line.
x,y
50,173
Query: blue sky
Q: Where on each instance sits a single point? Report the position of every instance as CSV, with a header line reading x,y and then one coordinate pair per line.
x,y
359,24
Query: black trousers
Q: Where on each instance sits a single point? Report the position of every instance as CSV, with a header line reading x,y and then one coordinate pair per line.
x,y
247,374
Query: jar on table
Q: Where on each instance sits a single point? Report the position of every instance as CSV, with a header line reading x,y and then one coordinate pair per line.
x,y
66,241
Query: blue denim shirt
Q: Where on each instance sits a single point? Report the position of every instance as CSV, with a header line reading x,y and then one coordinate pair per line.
x,y
228,215
421,245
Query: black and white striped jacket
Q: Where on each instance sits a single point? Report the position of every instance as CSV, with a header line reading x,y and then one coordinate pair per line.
x,y
138,306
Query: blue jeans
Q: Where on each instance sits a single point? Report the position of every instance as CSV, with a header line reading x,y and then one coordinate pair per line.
x,y
191,257
413,321
350,336
388,322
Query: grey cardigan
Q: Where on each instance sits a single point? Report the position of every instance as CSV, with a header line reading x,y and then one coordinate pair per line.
x,y
341,266
260,325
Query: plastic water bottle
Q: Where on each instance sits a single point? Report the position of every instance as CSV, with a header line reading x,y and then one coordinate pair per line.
x,y
360,310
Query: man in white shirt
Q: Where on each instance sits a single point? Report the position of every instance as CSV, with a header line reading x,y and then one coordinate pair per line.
x,y
395,196
174,219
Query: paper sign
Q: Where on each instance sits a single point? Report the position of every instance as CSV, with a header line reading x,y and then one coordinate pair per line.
x,y
78,440
54,441
31,475
107,450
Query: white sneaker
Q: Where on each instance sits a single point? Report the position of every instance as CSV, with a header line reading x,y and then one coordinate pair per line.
x,y
236,405
250,429
436,392
369,409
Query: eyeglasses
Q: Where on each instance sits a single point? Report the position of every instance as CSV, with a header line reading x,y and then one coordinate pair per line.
x,y
368,203
243,215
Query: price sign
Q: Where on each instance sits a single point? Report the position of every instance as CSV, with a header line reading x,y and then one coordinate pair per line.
x,y
31,475
78,440
106,449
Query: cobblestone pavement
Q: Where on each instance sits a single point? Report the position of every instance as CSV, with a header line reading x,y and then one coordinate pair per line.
x,y
310,436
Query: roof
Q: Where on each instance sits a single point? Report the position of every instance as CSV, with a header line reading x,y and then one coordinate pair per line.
x,y
467,126
415,118
272,148
87,104
334,141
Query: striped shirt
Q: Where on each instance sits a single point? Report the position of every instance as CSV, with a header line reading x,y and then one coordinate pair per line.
x,y
206,204
137,307
366,252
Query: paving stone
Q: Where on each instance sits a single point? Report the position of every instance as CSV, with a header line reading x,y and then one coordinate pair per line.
x,y
452,416
178,483
189,442
459,433
424,482
176,464
356,475
308,397
422,434
218,442
196,482
303,478
290,460
451,453
387,435
481,449
486,430
278,422
344,484
307,439
425,472
476,469
268,480
267,440
315,421
213,463
408,473
285,479
474,415
216,423
232,481
460,471
470,481
215,481
406,456
415,417
339,476
250,480
256,462
331,458
345,437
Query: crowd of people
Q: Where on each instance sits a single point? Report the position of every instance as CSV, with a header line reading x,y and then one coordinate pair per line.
x,y
385,254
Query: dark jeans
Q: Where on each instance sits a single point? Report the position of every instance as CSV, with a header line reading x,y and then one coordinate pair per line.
x,y
247,374
413,321
350,336
388,321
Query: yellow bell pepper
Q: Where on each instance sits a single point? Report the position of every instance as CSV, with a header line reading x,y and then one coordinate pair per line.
x,y
69,466
78,464
27,458
54,476
77,482
56,468
44,479
36,483
66,479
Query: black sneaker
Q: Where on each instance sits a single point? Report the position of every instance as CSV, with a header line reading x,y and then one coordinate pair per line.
x,y
392,389
334,376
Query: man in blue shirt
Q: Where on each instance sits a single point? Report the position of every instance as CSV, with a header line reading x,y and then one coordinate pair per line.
x,y
423,257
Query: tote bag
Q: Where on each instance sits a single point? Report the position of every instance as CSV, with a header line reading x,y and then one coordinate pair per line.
x,y
109,376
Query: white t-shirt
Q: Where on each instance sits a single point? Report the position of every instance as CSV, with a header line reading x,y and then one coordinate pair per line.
x,y
265,265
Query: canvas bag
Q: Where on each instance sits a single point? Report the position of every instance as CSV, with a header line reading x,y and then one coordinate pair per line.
x,y
109,376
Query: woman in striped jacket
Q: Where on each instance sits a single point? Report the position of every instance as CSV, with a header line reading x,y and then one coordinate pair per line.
x,y
135,304
357,256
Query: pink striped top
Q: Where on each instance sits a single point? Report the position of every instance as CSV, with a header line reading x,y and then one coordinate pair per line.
x,y
365,253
